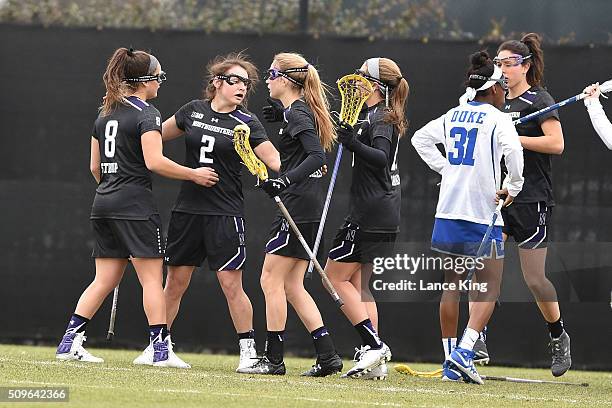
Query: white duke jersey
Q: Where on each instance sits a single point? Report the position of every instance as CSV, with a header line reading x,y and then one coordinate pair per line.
x,y
475,136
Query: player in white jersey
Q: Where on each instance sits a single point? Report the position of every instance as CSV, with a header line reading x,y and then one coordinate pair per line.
x,y
475,135
600,121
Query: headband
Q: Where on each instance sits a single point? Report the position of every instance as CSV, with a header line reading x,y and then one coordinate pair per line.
x,y
470,93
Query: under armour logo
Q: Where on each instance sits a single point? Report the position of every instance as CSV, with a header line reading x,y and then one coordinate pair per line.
x,y
214,120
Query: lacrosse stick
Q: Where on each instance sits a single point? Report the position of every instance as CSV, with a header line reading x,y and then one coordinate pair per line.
x,y
605,88
257,168
113,315
354,90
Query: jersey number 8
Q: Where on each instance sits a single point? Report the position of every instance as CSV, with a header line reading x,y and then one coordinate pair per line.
x,y
459,153
110,132
208,144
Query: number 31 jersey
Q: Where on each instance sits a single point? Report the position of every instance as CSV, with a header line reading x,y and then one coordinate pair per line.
x,y
475,136
209,142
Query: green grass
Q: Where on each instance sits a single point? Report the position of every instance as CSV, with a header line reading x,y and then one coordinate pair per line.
x,y
213,382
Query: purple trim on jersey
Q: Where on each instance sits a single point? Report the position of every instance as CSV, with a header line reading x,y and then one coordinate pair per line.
x,y
342,251
242,116
530,96
280,240
237,261
137,101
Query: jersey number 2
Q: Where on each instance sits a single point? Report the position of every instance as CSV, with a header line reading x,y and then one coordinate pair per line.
x,y
208,144
110,132
462,151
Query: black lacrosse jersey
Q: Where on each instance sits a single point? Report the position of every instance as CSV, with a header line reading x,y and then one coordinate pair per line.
x,y
538,166
303,199
209,142
376,195
125,189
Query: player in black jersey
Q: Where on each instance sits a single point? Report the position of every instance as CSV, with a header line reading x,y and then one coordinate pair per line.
x,y
373,219
208,222
306,133
126,146
528,218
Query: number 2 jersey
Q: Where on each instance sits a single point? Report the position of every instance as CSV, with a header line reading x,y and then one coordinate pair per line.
x,y
209,142
475,136
125,189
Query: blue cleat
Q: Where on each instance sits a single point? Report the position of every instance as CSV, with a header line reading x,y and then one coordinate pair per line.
x,y
464,361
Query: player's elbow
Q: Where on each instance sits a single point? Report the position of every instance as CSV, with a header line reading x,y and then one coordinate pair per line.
x,y
558,148
153,163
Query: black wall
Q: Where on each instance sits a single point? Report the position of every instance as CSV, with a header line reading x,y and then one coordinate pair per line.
x,y
50,87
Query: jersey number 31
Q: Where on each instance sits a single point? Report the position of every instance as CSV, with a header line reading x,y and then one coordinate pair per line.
x,y
462,151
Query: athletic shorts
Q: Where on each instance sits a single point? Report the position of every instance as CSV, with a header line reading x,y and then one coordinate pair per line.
x,y
114,238
527,223
351,244
282,241
192,238
462,238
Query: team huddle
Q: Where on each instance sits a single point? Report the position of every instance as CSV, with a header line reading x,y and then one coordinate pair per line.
x,y
488,164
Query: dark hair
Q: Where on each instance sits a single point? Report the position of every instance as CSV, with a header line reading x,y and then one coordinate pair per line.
x,y
480,64
123,64
221,64
530,44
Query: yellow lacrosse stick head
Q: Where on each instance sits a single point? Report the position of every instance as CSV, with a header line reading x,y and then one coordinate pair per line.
x,y
245,151
354,90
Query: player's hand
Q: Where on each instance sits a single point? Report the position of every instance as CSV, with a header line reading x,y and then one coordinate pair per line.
x,y
324,169
273,112
592,91
503,195
205,176
274,186
346,134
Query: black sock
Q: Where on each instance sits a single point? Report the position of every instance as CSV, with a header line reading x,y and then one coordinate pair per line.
x,y
368,335
77,323
275,346
247,335
158,332
555,328
323,342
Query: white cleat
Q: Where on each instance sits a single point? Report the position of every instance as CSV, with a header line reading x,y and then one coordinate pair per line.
x,y
146,358
377,373
71,349
248,355
368,359
164,356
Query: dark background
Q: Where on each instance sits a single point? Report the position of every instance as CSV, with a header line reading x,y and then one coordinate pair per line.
x,y
50,87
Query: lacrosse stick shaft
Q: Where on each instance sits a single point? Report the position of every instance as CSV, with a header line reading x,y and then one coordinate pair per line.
x,y
330,190
326,283
527,380
113,315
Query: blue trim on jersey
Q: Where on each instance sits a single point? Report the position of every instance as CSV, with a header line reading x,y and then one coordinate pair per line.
x,y
493,151
462,238
475,103
137,101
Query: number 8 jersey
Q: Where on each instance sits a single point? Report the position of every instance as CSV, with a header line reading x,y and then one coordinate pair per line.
x,y
475,136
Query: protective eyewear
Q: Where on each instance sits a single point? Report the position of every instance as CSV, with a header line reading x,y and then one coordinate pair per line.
x,y
370,78
274,73
234,79
161,77
510,61
503,82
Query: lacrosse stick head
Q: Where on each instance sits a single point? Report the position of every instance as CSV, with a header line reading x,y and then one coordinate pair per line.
x,y
245,151
354,90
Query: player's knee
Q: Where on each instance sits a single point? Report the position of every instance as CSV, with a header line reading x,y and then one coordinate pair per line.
x,y
231,287
269,283
176,285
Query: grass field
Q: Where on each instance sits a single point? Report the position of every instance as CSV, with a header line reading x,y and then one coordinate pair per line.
x,y
213,382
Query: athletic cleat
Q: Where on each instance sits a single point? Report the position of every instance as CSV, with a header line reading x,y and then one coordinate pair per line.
x,y
450,372
463,360
481,354
164,356
377,373
71,348
561,357
146,358
325,366
265,366
368,359
248,354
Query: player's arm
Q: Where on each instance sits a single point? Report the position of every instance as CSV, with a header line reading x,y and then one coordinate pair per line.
x,y
94,160
551,142
600,121
156,162
170,129
376,155
513,158
315,159
425,140
269,155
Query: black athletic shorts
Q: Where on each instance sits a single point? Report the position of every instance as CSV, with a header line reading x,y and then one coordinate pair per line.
x,y
116,238
193,237
282,240
527,223
354,245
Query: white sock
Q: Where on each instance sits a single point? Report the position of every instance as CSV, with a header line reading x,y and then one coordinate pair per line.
x,y
469,338
448,344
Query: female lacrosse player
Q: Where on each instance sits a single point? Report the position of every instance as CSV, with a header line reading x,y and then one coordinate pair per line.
x,y
600,121
125,147
475,135
528,219
306,132
208,222
373,219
